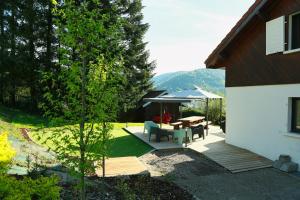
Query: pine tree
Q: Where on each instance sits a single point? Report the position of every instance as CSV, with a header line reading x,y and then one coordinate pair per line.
x,y
2,51
138,69
12,56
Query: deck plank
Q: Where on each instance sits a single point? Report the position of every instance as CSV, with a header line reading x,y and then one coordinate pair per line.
x,y
121,166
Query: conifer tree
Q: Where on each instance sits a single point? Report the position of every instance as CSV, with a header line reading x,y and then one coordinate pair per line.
x,y
138,68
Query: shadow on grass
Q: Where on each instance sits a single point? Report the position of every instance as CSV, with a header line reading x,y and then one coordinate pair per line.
x,y
128,145
24,120
20,118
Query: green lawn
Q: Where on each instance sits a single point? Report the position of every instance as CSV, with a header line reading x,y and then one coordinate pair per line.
x,y
122,143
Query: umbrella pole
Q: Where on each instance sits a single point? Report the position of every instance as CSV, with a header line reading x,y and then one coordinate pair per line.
x,y
220,111
160,115
180,110
206,116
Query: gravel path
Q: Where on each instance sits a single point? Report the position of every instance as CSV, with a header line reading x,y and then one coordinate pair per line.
x,y
26,149
180,164
206,180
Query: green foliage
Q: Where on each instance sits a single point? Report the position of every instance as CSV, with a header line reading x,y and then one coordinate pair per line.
x,y
91,69
213,110
26,38
43,188
125,190
138,69
31,60
21,119
6,153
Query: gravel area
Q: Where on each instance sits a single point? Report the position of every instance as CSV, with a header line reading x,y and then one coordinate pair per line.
x,y
180,164
207,180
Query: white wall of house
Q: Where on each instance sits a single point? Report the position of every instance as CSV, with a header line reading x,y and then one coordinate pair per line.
x,y
258,119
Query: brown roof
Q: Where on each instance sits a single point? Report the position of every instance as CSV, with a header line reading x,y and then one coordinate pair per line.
x,y
241,24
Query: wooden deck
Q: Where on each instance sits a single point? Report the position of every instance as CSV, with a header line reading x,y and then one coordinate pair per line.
x,y
123,166
233,158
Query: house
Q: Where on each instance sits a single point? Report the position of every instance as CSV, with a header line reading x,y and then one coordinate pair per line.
x,y
261,57
147,110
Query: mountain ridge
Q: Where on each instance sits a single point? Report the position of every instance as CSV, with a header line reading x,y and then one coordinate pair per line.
x,y
212,80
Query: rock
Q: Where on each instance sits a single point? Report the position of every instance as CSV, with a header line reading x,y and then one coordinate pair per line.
x,y
277,164
285,158
289,167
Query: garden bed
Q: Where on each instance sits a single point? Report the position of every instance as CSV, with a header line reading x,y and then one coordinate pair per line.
x,y
130,187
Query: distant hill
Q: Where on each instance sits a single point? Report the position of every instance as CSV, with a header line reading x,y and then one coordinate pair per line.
x,y
209,79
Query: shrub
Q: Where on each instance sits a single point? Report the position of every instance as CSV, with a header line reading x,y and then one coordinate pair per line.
x,y
199,109
6,153
125,190
43,188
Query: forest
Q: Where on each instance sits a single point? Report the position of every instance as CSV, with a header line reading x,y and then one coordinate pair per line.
x,y
31,53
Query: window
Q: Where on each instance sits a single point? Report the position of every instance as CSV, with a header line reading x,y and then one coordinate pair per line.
x,y
294,31
295,115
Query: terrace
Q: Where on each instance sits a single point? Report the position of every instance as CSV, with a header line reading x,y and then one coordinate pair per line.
x,y
213,147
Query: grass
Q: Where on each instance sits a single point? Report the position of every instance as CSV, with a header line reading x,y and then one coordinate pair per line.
x,y
20,119
122,143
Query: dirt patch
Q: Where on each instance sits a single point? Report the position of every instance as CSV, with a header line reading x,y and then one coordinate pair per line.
x,y
180,164
24,133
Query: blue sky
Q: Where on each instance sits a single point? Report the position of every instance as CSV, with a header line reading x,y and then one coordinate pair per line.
x,y
183,33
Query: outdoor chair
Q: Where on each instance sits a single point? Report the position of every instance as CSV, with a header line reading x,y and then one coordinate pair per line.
x,y
159,133
180,134
197,130
148,125
147,128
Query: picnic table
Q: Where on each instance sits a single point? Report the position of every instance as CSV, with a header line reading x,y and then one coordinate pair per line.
x,y
189,121
176,125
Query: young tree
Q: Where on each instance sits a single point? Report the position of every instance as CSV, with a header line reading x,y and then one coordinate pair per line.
x,y
90,73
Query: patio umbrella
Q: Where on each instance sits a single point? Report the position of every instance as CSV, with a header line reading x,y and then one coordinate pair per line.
x,y
193,94
196,94
162,100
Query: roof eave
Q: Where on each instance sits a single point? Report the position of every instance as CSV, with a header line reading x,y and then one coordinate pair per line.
x,y
211,61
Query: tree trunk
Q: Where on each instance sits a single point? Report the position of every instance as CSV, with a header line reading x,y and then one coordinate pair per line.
x,y
13,55
33,77
1,53
49,37
13,92
83,119
82,161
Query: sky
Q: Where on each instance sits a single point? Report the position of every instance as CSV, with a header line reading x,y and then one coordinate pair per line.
x,y
183,33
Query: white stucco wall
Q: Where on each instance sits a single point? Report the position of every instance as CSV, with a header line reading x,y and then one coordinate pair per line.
x,y
258,119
